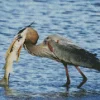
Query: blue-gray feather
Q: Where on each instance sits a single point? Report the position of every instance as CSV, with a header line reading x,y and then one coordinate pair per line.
x,y
67,51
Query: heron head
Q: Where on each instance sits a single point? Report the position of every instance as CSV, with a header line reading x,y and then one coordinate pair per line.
x,y
47,39
31,35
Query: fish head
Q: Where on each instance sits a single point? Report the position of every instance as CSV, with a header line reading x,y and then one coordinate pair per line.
x,y
22,33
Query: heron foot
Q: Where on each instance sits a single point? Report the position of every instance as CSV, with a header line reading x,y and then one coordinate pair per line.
x,y
82,83
67,85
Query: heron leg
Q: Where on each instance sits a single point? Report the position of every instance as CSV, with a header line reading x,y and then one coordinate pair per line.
x,y
68,78
84,77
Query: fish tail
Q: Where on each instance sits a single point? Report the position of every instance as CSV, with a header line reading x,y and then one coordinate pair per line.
x,y
8,70
5,79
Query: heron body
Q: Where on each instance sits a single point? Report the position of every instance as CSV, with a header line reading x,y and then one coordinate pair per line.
x,y
62,50
74,55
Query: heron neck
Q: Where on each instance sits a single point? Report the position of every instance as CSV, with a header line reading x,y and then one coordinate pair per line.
x,y
34,49
40,50
30,47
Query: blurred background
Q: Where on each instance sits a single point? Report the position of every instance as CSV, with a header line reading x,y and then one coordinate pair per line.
x,y
42,78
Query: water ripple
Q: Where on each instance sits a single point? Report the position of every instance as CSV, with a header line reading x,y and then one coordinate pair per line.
x,y
43,78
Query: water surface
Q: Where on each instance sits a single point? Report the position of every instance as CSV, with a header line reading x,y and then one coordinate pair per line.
x,y
36,78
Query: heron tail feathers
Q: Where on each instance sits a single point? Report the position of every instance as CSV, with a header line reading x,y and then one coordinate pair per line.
x,y
97,65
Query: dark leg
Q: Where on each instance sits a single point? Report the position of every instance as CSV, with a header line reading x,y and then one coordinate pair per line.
x,y
68,78
84,77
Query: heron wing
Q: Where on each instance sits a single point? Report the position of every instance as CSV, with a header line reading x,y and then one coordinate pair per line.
x,y
60,39
71,53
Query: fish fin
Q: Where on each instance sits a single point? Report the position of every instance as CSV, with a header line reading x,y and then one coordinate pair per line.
x,y
4,66
18,53
10,48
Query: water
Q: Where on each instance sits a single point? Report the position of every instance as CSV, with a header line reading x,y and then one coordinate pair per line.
x,y
41,78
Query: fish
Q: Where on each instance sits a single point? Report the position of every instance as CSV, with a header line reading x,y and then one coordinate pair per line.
x,y
12,55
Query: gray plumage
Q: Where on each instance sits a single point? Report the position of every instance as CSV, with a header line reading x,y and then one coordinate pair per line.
x,y
65,51
74,55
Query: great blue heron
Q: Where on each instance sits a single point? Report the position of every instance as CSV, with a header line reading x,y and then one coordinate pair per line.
x,y
62,50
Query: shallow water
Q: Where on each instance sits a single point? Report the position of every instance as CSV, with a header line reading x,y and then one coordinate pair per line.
x,y
36,78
